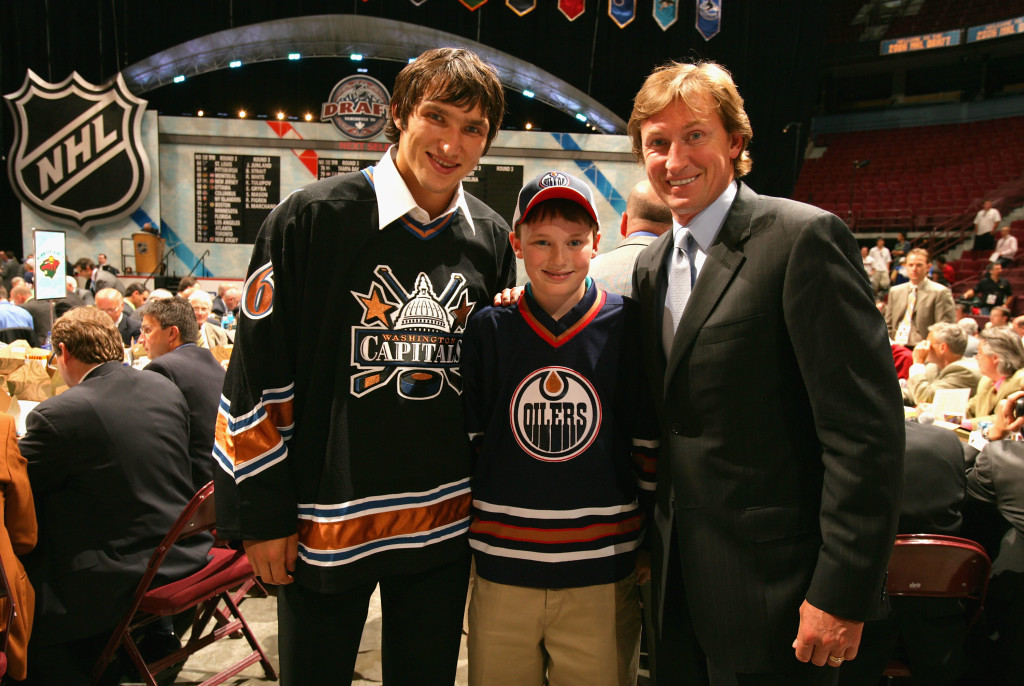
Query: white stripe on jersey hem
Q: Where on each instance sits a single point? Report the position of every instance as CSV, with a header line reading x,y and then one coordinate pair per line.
x,y
555,514
387,502
534,556
421,539
646,444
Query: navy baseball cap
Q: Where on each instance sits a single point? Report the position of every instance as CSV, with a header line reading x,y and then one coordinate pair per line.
x,y
554,184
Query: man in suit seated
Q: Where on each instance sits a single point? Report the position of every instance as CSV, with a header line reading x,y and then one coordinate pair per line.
x,y
938,364
916,305
74,298
96,279
210,334
21,296
108,463
646,217
928,633
111,302
168,331
994,516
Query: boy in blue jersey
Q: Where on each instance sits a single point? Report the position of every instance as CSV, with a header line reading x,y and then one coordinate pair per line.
x,y
560,417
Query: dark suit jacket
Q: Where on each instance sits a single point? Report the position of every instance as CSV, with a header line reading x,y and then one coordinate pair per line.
x,y
200,378
130,328
68,302
782,431
109,468
40,311
934,482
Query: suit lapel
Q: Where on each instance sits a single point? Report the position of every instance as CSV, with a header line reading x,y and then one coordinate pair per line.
x,y
723,261
658,282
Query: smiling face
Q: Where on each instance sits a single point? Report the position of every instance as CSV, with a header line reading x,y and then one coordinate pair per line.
x,y
556,253
689,157
440,144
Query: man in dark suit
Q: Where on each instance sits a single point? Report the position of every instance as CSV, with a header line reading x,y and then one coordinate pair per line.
x,y
168,329
111,302
109,469
21,295
72,300
782,432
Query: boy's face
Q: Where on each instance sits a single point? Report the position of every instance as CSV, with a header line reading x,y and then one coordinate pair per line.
x,y
440,144
556,253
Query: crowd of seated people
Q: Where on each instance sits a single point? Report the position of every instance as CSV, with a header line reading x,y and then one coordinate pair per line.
x,y
103,490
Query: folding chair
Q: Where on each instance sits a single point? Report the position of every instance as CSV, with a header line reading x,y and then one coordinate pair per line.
x,y
936,566
226,571
7,610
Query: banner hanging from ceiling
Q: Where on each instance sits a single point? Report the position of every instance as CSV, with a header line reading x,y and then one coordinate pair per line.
x,y
572,9
665,13
622,12
709,18
521,7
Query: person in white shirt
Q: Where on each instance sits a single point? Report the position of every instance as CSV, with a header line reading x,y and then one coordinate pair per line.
x,y
985,222
882,258
1006,248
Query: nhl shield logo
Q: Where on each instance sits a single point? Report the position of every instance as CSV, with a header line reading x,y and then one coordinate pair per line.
x,y
77,155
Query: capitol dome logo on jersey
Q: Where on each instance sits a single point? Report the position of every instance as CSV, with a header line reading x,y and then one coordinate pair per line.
x,y
358,107
552,179
555,414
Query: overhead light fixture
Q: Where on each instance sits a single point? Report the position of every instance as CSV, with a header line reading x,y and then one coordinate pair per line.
x,y
200,113
241,114
294,56
529,126
280,115
582,117
309,117
180,78
356,57
411,60
362,70
529,93
235,64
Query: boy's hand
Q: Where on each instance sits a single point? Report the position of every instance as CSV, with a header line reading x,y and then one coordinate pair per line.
x,y
508,296
643,566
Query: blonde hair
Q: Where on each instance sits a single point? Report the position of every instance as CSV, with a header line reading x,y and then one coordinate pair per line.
x,y
697,85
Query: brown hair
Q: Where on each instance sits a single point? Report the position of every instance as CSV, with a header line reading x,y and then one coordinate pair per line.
x,y
559,208
919,251
696,85
451,75
89,335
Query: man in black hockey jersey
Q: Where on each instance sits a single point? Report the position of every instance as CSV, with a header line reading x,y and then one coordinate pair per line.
x,y
343,458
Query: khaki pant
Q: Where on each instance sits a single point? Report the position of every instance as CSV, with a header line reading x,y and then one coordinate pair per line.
x,y
587,636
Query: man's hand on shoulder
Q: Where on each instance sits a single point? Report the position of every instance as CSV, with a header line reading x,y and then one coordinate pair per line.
x,y
508,296
824,638
273,560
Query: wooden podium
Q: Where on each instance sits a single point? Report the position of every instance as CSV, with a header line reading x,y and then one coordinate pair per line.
x,y
149,252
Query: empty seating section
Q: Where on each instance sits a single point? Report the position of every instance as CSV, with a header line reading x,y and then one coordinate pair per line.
x,y
945,15
917,176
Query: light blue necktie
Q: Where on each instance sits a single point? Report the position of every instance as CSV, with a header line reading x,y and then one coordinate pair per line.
x,y
681,275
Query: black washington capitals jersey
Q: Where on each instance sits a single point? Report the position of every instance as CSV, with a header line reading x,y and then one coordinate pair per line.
x,y
567,439
341,417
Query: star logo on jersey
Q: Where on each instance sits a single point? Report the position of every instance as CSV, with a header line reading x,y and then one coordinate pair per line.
x,y
413,337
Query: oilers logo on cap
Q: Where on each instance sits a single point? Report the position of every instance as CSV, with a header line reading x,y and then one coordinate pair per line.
x,y
553,178
554,184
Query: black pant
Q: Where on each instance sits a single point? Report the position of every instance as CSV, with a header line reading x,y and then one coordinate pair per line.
x,y
422,626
